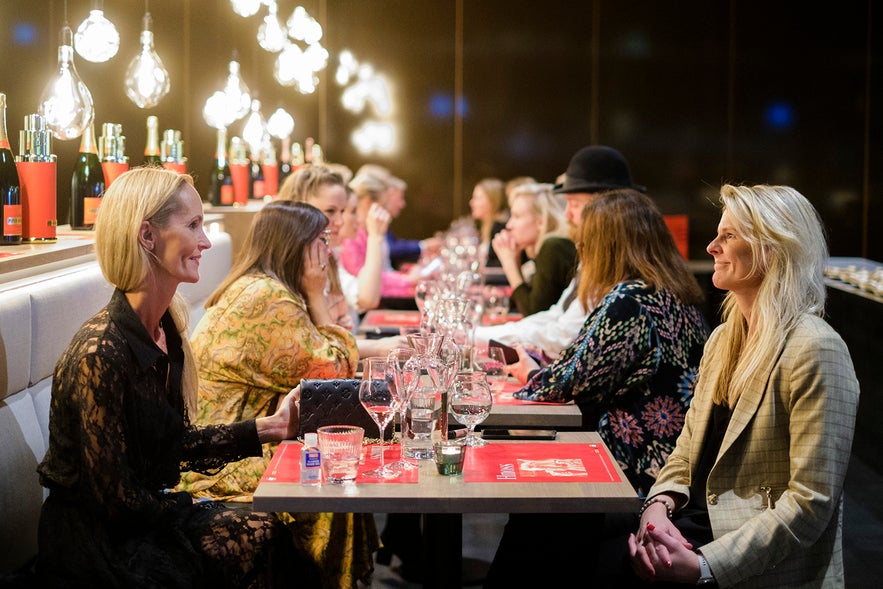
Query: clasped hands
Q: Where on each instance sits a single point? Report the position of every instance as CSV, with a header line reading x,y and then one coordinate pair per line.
x,y
659,552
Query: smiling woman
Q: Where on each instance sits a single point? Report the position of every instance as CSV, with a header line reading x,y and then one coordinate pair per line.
x,y
120,431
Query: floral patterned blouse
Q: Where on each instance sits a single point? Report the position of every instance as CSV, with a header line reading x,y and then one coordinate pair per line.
x,y
633,364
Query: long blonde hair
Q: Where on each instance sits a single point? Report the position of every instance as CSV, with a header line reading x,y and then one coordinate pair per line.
x,y
789,251
143,194
546,205
493,189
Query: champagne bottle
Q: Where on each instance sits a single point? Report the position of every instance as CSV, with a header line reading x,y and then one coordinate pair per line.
x,y
221,183
152,155
87,183
257,177
10,187
285,160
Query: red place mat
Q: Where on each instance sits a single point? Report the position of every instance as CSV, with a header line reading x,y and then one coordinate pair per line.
x,y
285,464
536,462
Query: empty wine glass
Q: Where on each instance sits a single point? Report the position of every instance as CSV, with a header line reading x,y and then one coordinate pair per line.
x,y
404,376
470,403
491,361
381,404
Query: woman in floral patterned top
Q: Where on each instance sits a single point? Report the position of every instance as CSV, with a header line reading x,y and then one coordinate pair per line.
x,y
266,327
632,366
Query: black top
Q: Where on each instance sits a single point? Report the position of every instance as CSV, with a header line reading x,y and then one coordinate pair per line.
x,y
556,262
118,439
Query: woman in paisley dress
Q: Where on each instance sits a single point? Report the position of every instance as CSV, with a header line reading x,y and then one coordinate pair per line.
x,y
267,326
630,370
120,434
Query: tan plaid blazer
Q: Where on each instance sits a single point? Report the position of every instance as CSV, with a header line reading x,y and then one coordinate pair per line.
x,y
775,491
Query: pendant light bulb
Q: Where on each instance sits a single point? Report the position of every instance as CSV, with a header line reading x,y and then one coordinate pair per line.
x,y
147,80
255,127
246,8
97,39
66,103
238,96
271,35
280,124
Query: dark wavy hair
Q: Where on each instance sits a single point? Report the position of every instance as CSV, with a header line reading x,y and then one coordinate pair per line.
x,y
276,244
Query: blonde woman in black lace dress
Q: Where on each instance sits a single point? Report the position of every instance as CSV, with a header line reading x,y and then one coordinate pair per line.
x,y
120,434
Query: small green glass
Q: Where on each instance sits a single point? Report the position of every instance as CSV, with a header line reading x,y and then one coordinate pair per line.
x,y
449,457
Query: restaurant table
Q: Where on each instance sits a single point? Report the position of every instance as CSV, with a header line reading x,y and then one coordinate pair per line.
x,y
387,321
601,488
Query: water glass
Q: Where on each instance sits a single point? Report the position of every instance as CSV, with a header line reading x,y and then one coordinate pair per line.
x,y
341,447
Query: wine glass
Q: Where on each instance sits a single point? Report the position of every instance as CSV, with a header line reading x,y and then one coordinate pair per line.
x,y
470,403
381,404
404,376
491,361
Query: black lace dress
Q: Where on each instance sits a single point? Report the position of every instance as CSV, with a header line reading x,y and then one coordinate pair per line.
x,y
119,437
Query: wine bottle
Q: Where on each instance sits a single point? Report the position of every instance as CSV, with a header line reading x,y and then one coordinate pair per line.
x,y
10,188
285,160
37,175
221,192
257,177
152,155
87,183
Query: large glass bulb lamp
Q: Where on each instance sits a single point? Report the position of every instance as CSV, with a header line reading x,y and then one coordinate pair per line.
x,y
147,80
255,128
216,111
97,39
246,8
66,102
271,35
280,124
236,92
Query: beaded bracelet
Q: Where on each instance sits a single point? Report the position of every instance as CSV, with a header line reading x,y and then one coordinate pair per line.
x,y
657,499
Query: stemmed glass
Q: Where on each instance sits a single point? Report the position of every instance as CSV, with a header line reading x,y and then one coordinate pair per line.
x,y
470,403
381,404
405,377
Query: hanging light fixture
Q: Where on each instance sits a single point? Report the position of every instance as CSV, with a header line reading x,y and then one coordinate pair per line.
x,y
246,8
280,124
271,35
236,92
66,102
216,111
147,80
255,128
97,39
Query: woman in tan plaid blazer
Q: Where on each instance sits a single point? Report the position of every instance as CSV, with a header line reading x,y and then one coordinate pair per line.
x,y
755,482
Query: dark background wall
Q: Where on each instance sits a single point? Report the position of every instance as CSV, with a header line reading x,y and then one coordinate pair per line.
x,y
694,93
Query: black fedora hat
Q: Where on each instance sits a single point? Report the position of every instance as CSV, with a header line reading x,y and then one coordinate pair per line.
x,y
596,168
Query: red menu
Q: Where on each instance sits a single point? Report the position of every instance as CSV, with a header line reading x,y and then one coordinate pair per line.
x,y
535,462
285,464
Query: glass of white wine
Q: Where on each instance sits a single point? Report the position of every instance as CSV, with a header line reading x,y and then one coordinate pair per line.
x,y
470,403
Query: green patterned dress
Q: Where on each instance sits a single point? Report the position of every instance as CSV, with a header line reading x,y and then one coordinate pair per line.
x,y
252,348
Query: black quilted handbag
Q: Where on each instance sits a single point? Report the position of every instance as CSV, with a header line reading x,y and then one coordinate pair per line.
x,y
334,401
